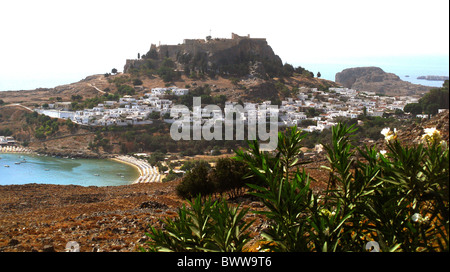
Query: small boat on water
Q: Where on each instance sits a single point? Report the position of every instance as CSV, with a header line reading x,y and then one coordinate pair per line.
x,y
96,175
6,165
17,162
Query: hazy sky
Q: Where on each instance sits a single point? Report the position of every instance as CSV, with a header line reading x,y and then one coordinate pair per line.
x,y
64,41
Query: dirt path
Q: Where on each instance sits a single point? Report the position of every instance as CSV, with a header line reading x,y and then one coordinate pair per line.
x,y
18,105
92,85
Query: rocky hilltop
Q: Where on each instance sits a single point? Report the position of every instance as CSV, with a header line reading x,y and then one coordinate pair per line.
x,y
218,55
88,87
374,79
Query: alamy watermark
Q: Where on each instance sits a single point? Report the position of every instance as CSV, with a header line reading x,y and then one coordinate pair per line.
x,y
72,246
209,122
372,246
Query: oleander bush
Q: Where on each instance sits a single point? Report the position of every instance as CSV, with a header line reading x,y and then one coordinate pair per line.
x,y
212,226
397,198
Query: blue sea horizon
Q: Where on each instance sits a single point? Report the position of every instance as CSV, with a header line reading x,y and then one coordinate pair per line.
x,y
408,68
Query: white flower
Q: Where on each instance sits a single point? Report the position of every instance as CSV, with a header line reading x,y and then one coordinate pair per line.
x,y
385,131
416,217
431,131
382,152
388,134
431,135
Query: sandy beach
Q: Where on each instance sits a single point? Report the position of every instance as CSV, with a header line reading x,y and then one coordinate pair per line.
x,y
147,172
15,149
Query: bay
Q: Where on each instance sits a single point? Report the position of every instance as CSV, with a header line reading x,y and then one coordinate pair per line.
x,y
25,168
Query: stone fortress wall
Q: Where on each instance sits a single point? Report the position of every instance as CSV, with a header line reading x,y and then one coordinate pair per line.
x,y
194,46
211,46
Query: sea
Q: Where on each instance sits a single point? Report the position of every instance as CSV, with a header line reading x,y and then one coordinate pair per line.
x,y
408,68
16,169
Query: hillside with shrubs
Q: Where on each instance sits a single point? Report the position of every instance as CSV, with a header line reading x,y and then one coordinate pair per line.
x,y
396,197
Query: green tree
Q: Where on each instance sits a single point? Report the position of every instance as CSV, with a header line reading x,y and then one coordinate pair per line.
x,y
308,122
399,112
126,90
137,82
156,157
71,125
154,115
188,165
76,97
288,70
229,176
152,54
6,132
435,99
196,182
168,74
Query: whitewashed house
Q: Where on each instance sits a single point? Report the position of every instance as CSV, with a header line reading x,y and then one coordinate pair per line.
x,y
159,91
178,91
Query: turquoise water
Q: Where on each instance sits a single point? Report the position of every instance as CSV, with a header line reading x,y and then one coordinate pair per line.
x,y
50,170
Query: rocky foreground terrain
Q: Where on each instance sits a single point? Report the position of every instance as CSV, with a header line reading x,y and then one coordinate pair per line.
x,y
37,217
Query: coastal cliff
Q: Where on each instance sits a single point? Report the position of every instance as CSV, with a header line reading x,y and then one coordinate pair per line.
x,y
374,79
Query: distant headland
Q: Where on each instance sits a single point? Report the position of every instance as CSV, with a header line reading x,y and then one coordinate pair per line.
x,y
434,78
376,80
